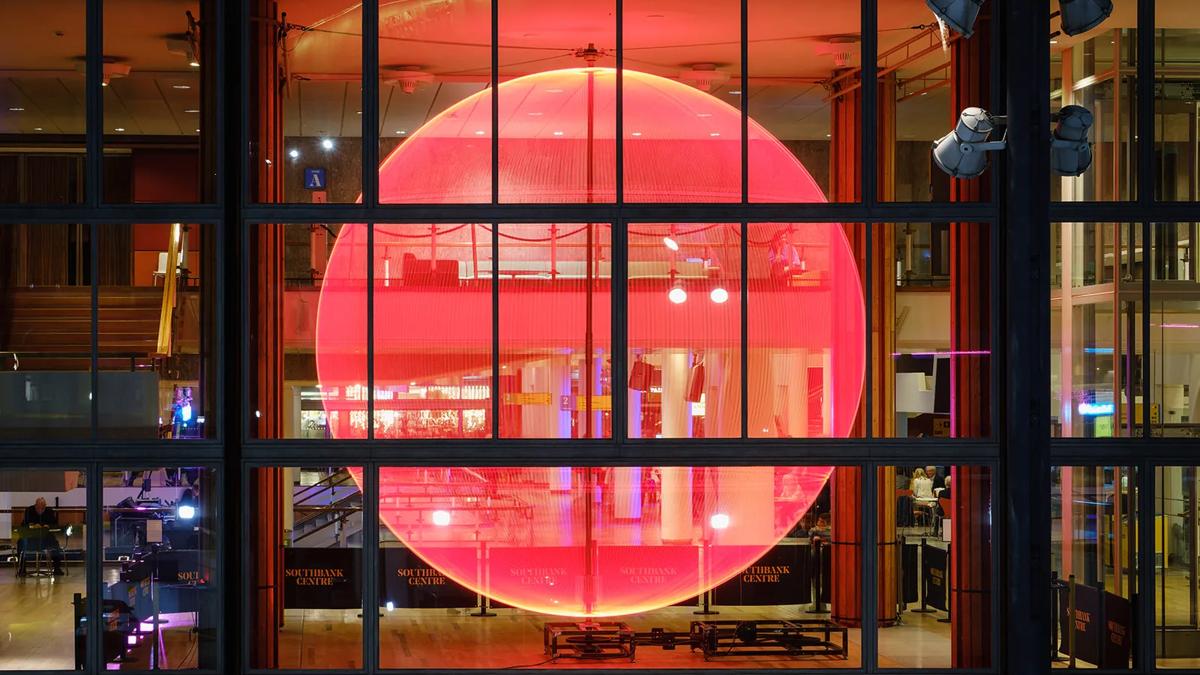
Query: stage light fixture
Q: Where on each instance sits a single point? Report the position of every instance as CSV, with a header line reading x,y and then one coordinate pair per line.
x,y
441,518
958,15
718,295
1080,16
1070,151
670,243
962,152
186,512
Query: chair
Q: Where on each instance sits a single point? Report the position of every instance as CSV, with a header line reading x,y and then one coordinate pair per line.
x,y
161,272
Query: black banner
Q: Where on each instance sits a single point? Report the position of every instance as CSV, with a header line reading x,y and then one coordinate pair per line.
x,y
1102,633
935,568
322,578
408,582
783,576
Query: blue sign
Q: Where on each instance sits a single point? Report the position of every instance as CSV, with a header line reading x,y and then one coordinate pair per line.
x,y
314,179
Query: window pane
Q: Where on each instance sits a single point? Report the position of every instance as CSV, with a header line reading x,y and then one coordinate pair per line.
x,y
1175,111
1095,357
306,553
558,106
1174,327
42,520
160,561
682,117
157,370
1093,552
935,567
435,72
680,550
306,130
159,103
304,387
42,103
1096,69
799,95
555,331
684,330
433,330
806,335
46,344
1176,602
936,292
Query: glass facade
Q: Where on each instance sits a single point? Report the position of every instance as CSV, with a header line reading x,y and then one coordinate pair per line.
x,y
735,334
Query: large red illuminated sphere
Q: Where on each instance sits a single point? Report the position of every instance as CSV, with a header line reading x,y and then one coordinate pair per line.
x,y
581,542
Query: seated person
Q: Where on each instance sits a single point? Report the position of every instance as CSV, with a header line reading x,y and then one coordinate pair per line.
x,y
944,493
922,485
39,520
821,529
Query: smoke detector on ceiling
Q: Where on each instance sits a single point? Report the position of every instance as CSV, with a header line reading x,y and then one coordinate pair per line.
x,y
704,76
407,77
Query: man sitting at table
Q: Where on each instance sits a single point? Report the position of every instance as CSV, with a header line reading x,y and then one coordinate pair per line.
x,y
39,520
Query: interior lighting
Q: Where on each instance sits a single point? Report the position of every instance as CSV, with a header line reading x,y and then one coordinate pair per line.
x,y
677,294
719,295
327,143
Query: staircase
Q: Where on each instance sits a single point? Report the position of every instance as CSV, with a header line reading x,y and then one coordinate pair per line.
x,y
49,328
328,513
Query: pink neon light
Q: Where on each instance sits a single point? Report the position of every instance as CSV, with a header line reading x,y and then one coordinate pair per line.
x,y
560,540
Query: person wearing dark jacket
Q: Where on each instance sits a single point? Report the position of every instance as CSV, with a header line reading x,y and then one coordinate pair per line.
x,y
38,522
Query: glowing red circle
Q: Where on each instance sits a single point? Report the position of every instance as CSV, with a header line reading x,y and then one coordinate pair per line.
x,y
563,541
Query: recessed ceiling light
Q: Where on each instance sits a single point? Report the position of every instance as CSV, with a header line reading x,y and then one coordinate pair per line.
x,y
358,112
480,132
535,114
1054,42
119,129
828,135
401,131
294,153
191,110
194,64
197,130
37,128
16,109
636,133
327,143
735,92
714,133
703,114
558,133
554,91
181,86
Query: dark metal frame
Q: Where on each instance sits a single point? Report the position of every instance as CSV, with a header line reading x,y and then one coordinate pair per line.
x,y
1020,451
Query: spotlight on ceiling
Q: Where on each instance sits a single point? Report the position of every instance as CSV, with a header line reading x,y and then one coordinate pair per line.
x,y
677,294
958,15
441,518
294,153
962,152
718,295
1080,16
670,243
327,143
1070,151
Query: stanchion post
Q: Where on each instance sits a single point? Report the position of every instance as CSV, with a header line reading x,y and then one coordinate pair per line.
x,y
901,605
922,582
1054,590
818,580
482,571
946,586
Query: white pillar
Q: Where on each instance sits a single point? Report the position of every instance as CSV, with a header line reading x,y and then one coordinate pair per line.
x,y
676,411
677,504
747,495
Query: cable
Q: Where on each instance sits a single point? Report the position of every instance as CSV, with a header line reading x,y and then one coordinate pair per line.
x,y
531,665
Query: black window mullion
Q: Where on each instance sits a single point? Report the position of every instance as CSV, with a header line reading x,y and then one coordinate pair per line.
x,y
94,103
93,558
618,307
869,116
370,103
93,269
495,244
870,578
744,265
744,51
370,566
620,129
370,261
868,230
1147,178
1147,274
495,83
1143,659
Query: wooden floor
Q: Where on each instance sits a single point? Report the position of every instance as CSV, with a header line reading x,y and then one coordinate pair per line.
x,y
441,638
